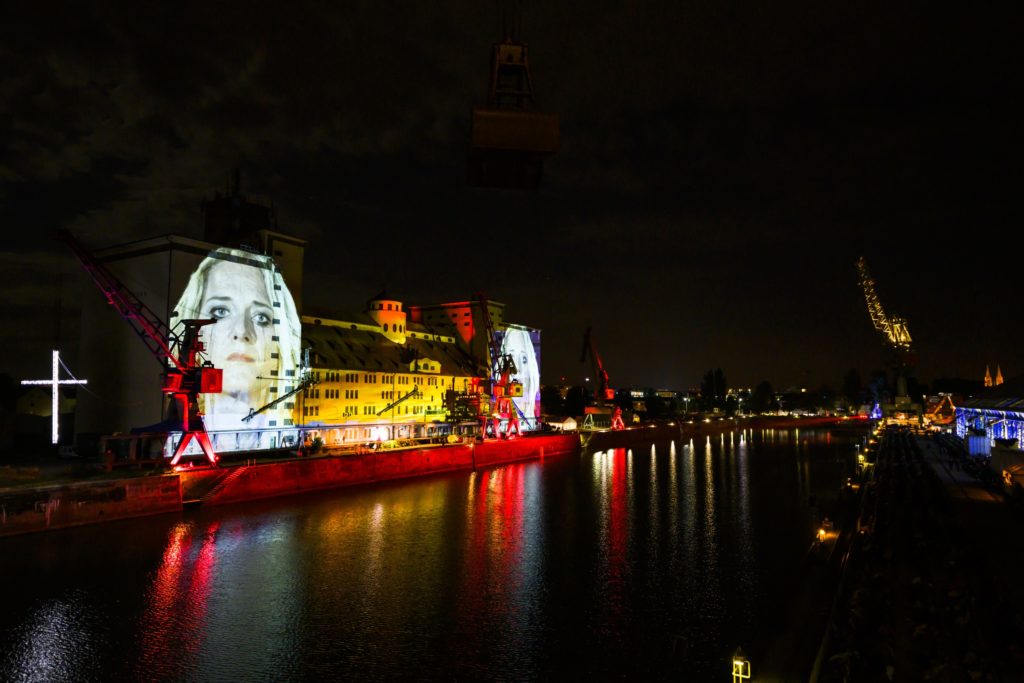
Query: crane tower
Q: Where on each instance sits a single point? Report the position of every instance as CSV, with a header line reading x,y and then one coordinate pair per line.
x,y
894,332
893,327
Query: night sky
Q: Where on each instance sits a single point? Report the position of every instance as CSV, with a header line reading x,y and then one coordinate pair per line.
x,y
722,167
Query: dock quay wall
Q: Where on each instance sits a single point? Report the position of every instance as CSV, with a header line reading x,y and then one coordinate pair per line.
x,y
268,480
635,434
56,507
24,510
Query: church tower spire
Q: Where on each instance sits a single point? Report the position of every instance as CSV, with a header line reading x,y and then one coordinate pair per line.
x,y
988,377
999,375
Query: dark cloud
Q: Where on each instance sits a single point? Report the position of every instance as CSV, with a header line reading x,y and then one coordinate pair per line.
x,y
722,165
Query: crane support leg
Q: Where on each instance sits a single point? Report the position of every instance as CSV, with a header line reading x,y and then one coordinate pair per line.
x,y
204,442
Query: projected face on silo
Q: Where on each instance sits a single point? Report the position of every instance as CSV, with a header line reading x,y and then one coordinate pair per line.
x,y
255,340
524,345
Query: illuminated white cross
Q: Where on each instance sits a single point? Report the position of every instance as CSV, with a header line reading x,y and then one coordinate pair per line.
x,y
55,381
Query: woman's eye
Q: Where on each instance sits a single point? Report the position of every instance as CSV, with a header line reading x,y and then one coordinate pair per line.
x,y
261,319
219,312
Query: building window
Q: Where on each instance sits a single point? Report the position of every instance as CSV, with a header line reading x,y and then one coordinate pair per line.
x,y
385,327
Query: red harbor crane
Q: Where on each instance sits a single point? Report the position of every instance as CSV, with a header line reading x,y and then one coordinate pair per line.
x,y
185,374
502,387
603,394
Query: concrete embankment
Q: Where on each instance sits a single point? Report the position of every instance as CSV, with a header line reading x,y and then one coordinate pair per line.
x,y
605,439
56,507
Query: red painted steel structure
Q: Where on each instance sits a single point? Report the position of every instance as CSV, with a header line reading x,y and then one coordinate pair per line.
x,y
186,377
501,368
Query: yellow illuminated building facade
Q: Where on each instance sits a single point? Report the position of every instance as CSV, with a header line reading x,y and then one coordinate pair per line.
x,y
379,376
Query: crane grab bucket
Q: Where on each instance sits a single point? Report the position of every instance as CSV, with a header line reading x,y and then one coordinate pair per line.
x,y
515,131
510,137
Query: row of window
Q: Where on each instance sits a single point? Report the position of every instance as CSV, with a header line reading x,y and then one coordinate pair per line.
x,y
354,377
348,411
354,394
334,393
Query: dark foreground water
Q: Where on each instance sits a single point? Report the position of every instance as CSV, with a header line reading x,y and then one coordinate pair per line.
x,y
649,562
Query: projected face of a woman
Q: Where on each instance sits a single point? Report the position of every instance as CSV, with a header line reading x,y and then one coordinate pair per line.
x,y
241,342
517,343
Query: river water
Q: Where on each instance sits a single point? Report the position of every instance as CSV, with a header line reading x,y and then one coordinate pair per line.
x,y
653,562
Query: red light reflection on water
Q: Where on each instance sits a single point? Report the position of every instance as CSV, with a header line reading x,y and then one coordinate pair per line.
x,y
618,517
173,622
617,530
494,559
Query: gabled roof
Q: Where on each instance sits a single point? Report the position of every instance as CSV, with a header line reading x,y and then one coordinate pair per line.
x,y
344,348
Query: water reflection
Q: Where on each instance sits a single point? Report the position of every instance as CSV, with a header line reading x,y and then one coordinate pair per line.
x,y
653,561
57,638
176,609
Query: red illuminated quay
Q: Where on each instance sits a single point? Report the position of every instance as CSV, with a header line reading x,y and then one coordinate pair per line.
x,y
47,507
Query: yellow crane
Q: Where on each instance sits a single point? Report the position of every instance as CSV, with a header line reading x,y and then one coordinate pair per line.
x,y
893,327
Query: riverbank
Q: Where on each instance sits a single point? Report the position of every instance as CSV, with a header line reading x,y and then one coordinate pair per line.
x,y
930,590
605,439
28,509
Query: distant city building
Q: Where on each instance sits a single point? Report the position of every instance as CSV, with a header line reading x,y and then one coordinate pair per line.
x,y
989,382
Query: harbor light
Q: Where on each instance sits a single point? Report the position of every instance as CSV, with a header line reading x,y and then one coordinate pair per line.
x,y
821,535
